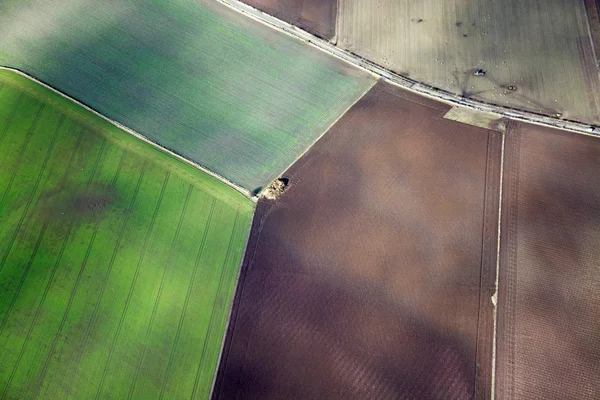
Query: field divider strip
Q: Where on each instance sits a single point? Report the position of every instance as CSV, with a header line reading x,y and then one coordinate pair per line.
x,y
187,298
92,321
497,279
133,282
212,315
21,154
408,83
52,274
96,221
159,295
11,116
143,138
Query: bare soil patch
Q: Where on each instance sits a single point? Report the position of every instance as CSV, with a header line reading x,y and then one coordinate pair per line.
x,y
315,16
371,276
549,294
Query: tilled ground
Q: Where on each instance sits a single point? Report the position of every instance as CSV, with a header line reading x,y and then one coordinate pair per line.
x,y
370,277
548,326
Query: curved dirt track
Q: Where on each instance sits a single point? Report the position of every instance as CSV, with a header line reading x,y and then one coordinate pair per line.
x,y
371,276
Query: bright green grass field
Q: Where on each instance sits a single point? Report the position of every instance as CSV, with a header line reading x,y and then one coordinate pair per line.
x,y
196,77
117,262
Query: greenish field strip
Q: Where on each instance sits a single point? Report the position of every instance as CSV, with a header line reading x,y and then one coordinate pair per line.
x,y
117,262
202,80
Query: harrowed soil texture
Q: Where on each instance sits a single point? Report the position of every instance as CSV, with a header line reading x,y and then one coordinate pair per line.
x,y
371,276
315,16
549,293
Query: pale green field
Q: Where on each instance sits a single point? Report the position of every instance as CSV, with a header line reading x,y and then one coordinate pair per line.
x,y
210,84
117,262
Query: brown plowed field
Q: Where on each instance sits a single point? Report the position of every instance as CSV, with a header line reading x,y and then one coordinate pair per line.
x,y
315,16
371,276
549,324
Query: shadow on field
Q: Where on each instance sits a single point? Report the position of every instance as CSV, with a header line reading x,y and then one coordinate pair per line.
x,y
364,279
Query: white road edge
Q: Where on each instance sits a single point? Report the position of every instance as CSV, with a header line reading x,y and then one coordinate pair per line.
x,y
414,86
240,189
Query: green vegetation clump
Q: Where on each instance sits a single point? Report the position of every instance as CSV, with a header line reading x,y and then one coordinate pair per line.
x,y
117,262
207,82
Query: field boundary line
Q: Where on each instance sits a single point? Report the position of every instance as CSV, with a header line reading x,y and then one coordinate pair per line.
x,y
497,279
212,314
187,298
408,83
133,282
159,294
143,138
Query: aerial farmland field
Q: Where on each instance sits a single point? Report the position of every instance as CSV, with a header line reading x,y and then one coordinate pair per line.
x,y
214,86
371,276
117,261
315,16
549,293
536,55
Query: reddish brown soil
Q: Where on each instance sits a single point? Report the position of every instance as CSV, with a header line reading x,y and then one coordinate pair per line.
x,y
364,279
549,324
315,16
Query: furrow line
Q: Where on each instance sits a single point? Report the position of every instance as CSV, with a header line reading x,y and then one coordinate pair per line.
x,y
37,244
21,153
96,221
30,200
159,295
92,321
11,116
52,274
212,316
132,286
187,298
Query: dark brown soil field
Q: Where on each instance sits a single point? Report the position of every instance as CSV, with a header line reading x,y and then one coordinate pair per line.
x,y
371,276
315,16
548,322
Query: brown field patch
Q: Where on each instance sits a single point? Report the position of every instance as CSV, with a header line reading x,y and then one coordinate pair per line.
x,y
371,276
549,294
537,55
315,16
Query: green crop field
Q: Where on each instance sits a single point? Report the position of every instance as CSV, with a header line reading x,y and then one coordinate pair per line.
x,y
215,86
117,262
